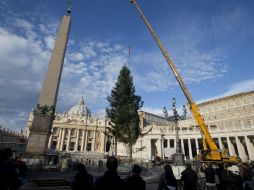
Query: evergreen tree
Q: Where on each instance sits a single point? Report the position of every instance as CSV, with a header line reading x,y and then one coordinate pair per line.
x,y
123,110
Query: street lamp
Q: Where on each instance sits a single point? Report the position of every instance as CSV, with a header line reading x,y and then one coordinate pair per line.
x,y
178,157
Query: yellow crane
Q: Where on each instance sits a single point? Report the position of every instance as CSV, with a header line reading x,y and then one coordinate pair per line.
x,y
211,151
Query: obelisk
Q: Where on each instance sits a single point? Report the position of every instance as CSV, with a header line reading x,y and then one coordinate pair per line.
x,y
45,109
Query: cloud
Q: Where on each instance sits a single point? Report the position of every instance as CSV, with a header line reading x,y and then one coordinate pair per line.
x,y
89,51
159,111
153,110
90,69
238,87
243,86
93,77
49,40
194,65
91,72
76,56
23,61
200,49
91,66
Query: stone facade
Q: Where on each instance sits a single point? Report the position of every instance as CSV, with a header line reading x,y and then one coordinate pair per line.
x,y
230,121
77,131
14,140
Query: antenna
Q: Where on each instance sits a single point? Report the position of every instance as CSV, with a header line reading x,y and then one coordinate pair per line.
x,y
69,7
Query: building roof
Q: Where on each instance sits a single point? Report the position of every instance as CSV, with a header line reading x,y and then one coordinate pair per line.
x,y
79,110
226,98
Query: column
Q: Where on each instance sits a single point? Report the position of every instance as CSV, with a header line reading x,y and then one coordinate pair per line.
x,y
105,142
182,146
50,141
49,92
244,149
86,140
197,147
149,149
68,140
82,140
240,149
102,140
77,141
59,138
220,143
190,149
250,148
162,149
93,145
62,141
140,152
158,145
230,147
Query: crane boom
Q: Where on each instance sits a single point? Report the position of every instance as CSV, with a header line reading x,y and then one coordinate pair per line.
x,y
193,108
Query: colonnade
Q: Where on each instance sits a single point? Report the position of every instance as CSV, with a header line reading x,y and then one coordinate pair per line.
x,y
241,146
73,139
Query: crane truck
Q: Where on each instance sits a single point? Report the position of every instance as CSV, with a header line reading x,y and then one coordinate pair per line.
x,y
210,151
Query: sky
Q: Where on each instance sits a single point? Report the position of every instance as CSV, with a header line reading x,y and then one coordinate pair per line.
x,y
210,42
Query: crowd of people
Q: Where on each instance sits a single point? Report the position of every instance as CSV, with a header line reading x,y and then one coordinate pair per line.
x,y
229,177
207,177
210,177
11,170
110,180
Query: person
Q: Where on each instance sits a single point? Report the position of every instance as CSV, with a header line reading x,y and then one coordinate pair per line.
x,y
100,166
167,179
82,179
201,179
190,178
233,178
221,172
248,176
135,181
210,177
110,179
8,175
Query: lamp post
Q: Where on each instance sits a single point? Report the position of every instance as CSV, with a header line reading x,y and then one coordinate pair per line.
x,y
178,157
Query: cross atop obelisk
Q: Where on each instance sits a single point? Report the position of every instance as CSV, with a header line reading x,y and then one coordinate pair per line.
x,y
45,109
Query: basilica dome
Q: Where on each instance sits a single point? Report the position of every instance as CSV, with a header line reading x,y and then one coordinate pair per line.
x,y
79,110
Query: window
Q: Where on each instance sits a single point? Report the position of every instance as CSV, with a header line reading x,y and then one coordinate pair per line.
x,y
89,147
72,146
165,143
248,124
72,132
90,134
54,143
54,131
171,143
